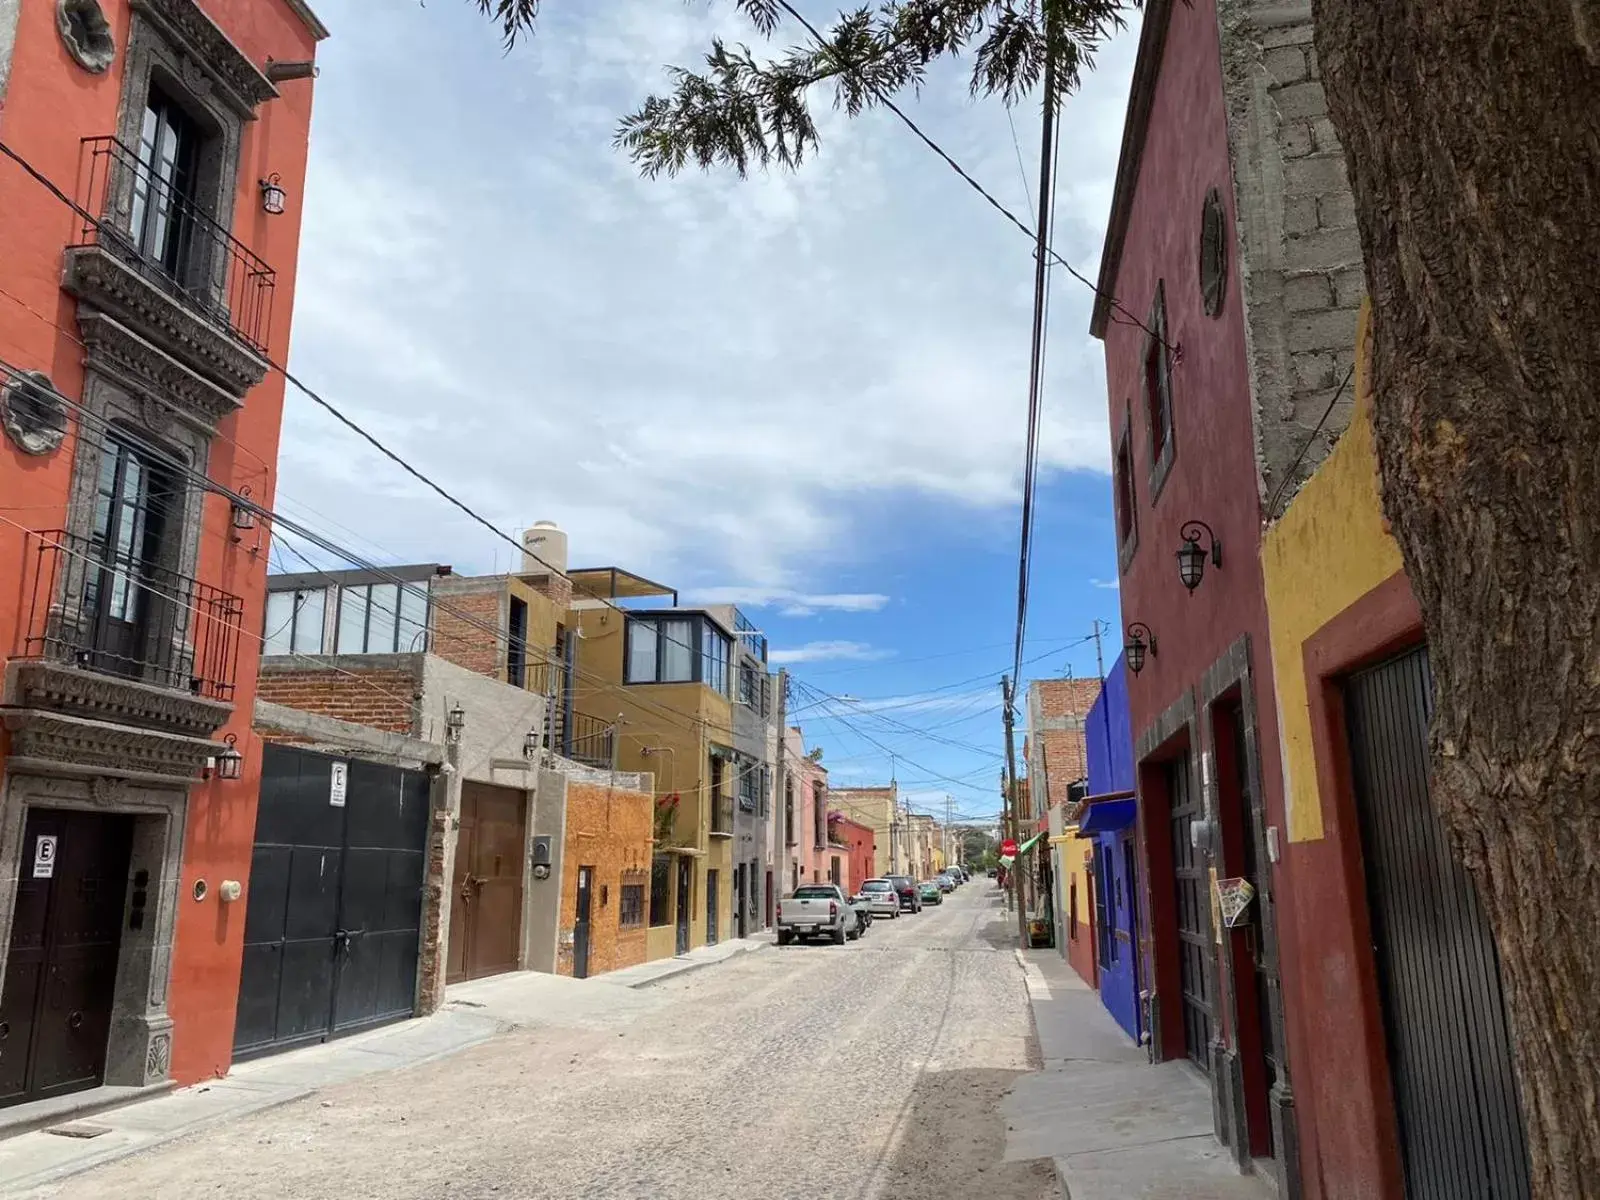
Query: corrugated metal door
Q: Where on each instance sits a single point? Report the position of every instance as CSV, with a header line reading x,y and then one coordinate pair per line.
x,y
1191,887
1455,1093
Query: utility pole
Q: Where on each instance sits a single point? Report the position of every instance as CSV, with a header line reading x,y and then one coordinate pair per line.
x,y
1011,822
780,820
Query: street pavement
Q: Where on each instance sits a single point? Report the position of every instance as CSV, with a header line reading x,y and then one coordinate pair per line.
x,y
817,1072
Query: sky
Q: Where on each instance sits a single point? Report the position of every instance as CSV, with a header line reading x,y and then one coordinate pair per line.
x,y
804,393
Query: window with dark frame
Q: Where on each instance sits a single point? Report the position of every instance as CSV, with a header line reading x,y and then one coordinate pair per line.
x,y
660,891
295,621
677,649
788,813
382,618
819,814
517,643
1124,496
630,911
1156,384
165,186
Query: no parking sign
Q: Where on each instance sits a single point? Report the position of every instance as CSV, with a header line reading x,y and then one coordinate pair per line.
x,y
44,856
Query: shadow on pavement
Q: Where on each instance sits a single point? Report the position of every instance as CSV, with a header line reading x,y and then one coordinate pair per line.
x,y
953,1140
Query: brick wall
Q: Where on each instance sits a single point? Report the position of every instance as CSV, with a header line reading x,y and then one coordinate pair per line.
x,y
609,829
379,691
457,633
1055,748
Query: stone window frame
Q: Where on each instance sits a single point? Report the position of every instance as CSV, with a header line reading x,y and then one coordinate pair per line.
x,y
1155,349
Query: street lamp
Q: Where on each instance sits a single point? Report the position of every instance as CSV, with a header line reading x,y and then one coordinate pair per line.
x,y
454,722
1192,556
1139,639
530,743
244,517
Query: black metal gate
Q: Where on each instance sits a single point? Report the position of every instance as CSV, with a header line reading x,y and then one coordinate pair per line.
x,y
1461,1131
1192,896
335,901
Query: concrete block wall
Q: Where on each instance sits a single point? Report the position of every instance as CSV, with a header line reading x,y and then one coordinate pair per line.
x,y
610,829
1299,255
380,691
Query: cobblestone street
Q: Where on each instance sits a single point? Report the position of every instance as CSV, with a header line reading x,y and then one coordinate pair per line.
x,y
876,1069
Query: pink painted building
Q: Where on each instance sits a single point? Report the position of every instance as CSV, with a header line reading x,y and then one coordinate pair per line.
x,y
803,812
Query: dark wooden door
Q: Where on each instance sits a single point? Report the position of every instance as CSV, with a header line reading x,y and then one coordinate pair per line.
x,y
55,1009
486,915
738,900
582,926
711,907
1461,1131
1192,893
685,899
332,923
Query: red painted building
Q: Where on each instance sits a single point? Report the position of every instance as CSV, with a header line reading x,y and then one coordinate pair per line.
x,y
854,845
137,333
1227,311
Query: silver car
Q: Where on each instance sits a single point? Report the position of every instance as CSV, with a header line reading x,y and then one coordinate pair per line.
x,y
881,898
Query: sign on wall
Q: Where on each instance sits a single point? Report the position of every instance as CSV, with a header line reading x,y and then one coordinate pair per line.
x,y
338,783
44,856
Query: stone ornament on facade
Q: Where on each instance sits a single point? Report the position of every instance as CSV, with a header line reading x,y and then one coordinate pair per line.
x,y
108,791
159,1057
86,33
35,414
239,81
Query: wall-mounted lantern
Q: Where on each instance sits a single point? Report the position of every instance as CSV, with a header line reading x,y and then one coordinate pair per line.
x,y
1139,640
230,763
454,722
530,744
1192,556
273,197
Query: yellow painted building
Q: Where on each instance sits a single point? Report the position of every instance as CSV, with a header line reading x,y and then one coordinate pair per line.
x,y
1328,550
680,731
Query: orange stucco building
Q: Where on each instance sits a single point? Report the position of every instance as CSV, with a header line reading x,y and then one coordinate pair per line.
x,y
140,318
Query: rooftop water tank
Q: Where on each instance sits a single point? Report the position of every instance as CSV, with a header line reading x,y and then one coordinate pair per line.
x,y
544,547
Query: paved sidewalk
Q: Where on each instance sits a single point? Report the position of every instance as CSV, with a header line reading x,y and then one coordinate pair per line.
x,y
473,1013
1117,1127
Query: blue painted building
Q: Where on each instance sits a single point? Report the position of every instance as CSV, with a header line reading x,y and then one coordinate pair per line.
x,y
1108,820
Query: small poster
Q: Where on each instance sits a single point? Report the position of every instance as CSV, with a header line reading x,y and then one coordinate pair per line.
x,y
1216,909
1233,897
44,856
338,783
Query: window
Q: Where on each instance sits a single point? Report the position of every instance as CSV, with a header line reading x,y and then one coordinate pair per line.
x,y
1125,499
660,891
295,621
134,497
749,784
517,644
1156,381
819,814
788,812
676,650
833,869
164,185
382,618
1072,929
749,692
630,915
715,651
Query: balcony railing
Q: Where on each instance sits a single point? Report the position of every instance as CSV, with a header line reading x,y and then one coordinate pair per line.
x,y
139,216
584,739
119,615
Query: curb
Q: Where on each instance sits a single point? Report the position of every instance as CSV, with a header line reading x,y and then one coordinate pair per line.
x,y
698,965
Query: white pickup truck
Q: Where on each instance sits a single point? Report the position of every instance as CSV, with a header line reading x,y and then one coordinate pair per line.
x,y
818,909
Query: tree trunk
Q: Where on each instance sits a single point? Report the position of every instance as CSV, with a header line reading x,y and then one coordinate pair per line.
x,y
1471,130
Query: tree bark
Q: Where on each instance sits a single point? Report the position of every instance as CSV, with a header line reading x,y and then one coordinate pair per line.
x,y
1471,130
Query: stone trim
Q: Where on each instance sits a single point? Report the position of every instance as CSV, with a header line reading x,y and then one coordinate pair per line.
x,y
125,358
59,687
78,746
139,1047
345,737
308,18
99,278
210,61
1178,715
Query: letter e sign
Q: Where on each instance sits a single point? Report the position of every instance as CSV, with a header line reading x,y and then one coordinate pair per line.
x,y
338,783
44,856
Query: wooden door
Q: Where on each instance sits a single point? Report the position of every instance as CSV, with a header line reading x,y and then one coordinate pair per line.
x,y
582,926
55,1009
486,912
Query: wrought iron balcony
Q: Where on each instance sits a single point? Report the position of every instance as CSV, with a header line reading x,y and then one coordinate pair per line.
x,y
134,212
117,614
583,739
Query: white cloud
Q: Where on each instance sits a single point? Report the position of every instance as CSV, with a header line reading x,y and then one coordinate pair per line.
x,y
702,378
826,651
789,603
1108,584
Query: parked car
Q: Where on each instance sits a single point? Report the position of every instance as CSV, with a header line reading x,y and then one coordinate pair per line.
x,y
881,898
906,888
946,884
818,910
932,893
991,872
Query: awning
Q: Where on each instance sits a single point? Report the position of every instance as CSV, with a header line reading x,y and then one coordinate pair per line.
x,y
1107,816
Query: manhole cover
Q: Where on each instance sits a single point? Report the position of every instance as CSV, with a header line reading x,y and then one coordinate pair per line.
x,y
79,1129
